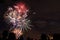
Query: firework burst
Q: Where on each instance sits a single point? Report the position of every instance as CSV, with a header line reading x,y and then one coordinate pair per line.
x,y
17,17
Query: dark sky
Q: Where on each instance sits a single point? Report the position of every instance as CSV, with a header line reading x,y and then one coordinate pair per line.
x,y
45,19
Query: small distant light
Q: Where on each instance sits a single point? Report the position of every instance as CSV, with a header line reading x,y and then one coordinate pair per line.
x,y
34,12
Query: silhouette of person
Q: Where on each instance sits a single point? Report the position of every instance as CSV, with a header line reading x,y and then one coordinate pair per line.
x,y
5,35
56,36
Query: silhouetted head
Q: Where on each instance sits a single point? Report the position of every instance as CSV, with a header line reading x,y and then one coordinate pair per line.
x,y
5,34
11,36
43,37
21,38
28,38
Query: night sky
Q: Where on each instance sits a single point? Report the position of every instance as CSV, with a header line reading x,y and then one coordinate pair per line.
x,y
44,14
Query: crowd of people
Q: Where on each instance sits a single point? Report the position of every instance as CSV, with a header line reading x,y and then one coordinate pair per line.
x,y
11,36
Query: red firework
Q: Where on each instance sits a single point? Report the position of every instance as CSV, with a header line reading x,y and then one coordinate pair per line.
x,y
21,7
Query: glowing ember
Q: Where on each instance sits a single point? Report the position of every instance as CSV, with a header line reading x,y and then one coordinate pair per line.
x,y
18,32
